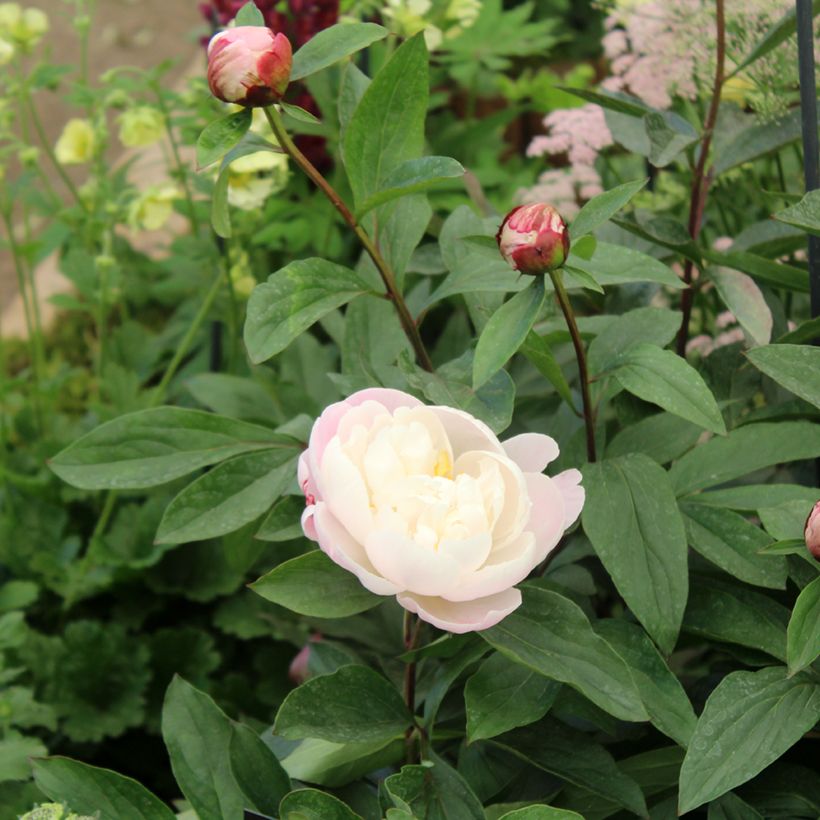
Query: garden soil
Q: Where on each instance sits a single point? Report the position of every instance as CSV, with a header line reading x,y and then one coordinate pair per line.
x,y
125,32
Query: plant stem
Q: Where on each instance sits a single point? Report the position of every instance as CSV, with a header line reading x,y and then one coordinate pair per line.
x,y
405,317
412,631
580,355
702,180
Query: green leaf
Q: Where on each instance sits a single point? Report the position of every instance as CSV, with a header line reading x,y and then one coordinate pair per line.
x,y
585,246
258,774
803,636
752,497
353,704
299,114
749,721
643,325
781,31
731,807
387,127
501,696
155,446
572,756
795,367
616,265
218,137
333,44
92,790
412,177
283,524
18,595
661,692
551,635
663,437
312,584
197,734
768,271
239,397
668,135
311,804
732,543
506,332
249,15
732,613
16,751
433,792
744,451
227,497
808,331
631,518
599,209
664,378
293,299
757,140
540,813
743,297
536,349
620,103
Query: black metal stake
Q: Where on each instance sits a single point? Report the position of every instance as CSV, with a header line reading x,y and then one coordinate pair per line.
x,y
811,152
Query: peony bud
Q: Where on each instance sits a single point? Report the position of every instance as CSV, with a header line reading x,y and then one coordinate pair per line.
x,y
812,531
534,239
249,65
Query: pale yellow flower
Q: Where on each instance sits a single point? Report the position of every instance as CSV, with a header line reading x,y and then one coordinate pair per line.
x,y
77,143
736,89
153,207
24,27
240,272
252,179
6,51
142,125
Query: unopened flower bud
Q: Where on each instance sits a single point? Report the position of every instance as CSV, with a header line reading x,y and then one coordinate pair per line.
x,y
812,531
534,239
249,65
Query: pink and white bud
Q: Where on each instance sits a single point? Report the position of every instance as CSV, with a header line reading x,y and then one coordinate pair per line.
x,y
534,239
249,65
812,531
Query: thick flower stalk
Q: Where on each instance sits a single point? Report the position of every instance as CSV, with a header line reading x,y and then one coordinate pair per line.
x,y
249,65
426,504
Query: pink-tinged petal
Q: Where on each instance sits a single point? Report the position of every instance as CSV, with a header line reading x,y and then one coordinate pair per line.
x,y
387,397
306,483
531,451
465,432
464,616
344,491
493,578
547,515
470,553
337,542
409,566
308,524
569,483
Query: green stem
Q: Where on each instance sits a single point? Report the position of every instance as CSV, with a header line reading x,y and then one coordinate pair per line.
x,y
394,294
580,355
103,266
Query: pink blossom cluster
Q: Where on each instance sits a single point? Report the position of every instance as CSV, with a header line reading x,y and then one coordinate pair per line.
x,y
564,188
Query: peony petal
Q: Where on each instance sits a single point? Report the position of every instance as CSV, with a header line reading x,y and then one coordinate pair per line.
x,y
569,483
388,398
465,616
531,451
344,491
470,553
492,579
466,433
308,524
410,566
336,541
548,514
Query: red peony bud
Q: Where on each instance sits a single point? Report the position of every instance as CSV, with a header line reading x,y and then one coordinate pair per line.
x,y
249,65
812,531
534,239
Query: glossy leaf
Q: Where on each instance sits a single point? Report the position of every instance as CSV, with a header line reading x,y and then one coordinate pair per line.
x,y
228,497
664,378
538,351
501,696
506,332
218,137
152,447
803,636
91,790
551,635
744,299
353,704
795,367
632,520
616,265
333,44
293,299
669,135
600,208
804,215
749,721
249,15
282,523
312,584
540,813
311,804
258,774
